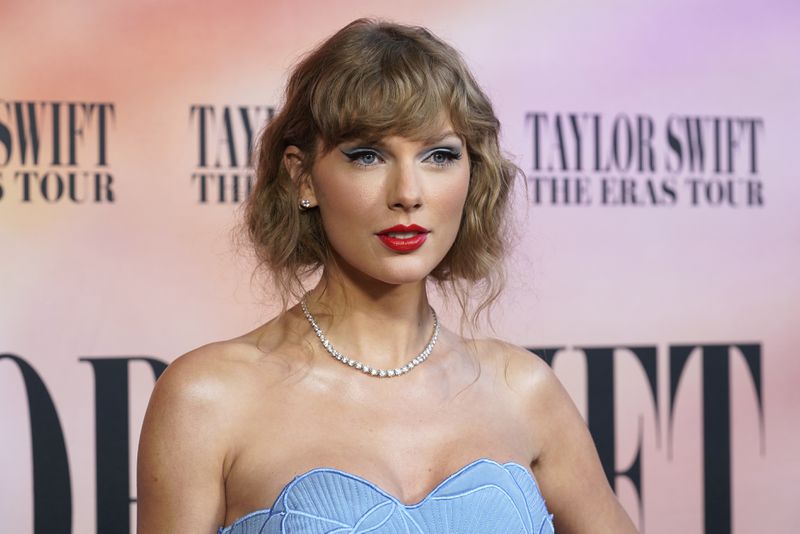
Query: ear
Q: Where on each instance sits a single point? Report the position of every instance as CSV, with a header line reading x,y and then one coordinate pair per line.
x,y
293,159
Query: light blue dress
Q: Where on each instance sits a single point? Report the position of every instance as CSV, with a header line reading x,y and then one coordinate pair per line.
x,y
480,498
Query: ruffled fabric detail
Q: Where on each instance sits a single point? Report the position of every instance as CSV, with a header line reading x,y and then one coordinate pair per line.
x,y
483,496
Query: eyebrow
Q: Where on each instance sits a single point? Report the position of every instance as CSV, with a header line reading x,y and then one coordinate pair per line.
x,y
438,137
430,140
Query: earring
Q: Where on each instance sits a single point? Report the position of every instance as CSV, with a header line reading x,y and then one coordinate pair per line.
x,y
305,204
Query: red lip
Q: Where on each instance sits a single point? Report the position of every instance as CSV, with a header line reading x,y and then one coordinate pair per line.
x,y
400,228
404,244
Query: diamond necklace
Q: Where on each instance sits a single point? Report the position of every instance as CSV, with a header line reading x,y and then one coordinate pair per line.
x,y
372,371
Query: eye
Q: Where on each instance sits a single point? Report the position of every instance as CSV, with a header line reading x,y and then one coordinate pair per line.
x,y
363,157
442,157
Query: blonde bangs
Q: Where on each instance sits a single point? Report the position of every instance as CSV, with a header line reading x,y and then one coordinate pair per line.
x,y
399,90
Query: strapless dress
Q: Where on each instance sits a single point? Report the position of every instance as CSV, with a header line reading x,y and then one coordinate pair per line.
x,y
483,497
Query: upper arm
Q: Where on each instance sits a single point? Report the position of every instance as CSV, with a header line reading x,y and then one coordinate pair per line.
x,y
182,449
568,468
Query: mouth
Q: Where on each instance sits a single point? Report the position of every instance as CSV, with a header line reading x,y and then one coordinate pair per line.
x,y
402,238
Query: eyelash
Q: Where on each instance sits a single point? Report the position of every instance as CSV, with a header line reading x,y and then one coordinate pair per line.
x,y
356,155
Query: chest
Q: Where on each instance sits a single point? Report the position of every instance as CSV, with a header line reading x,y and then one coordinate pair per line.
x,y
406,448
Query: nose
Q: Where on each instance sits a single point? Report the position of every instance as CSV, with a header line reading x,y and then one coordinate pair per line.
x,y
405,191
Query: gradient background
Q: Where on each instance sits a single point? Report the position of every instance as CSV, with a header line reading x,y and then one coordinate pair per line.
x,y
155,273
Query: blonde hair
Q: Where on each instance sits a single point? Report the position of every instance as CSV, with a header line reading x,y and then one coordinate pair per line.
x,y
370,80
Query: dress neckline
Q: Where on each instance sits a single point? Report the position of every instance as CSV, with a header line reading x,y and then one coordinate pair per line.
x,y
288,486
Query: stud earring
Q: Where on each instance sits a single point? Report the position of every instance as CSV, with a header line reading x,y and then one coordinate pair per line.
x,y
305,204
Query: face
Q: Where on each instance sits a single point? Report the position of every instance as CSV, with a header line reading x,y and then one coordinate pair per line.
x,y
391,209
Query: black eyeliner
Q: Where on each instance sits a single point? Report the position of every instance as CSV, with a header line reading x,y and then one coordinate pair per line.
x,y
359,150
455,153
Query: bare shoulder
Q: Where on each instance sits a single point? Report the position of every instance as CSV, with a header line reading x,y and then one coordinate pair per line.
x,y
566,466
213,386
523,371
187,441
199,384
207,373
548,405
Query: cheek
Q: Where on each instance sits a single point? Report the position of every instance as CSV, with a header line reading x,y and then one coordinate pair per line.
x,y
452,199
343,208
350,199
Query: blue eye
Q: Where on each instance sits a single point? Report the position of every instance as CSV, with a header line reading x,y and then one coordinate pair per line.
x,y
362,157
444,157
368,158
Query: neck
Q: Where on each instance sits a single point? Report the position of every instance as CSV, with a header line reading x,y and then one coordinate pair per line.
x,y
380,325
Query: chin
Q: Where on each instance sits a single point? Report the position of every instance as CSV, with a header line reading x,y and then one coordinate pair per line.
x,y
403,276
401,270
397,269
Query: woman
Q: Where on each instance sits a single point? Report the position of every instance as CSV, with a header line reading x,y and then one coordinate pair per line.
x,y
355,410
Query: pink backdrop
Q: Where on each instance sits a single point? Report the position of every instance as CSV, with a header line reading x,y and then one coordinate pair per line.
x,y
133,262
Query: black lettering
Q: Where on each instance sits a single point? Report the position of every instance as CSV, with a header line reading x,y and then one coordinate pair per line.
x,y
754,193
652,193
112,440
622,149
669,189
715,192
597,141
560,188
694,143
227,140
52,496
73,187
600,412
229,186
600,406
732,143
5,137
51,186
536,118
537,192
694,184
716,421
102,187
582,191
645,130
675,145
56,109
607,186
576,132
248,132
717,145
628,190
201,181
754,124
102,133
25,177
223,182
202,131
27,133
559,143
75,130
